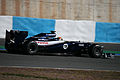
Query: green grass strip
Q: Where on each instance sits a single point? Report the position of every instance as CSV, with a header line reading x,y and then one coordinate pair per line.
x,y
116,52
2,47
30,76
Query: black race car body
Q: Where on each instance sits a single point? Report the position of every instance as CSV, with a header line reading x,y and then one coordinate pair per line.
x,y
48,42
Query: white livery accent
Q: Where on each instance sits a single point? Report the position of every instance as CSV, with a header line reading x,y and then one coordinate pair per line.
x,y
45,43
81,45
65,46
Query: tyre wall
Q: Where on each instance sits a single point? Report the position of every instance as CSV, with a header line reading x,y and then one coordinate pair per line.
x,y
85,31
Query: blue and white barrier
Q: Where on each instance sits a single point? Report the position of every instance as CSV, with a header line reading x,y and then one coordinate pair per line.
x,y
33,25
107,32
86,31
76,30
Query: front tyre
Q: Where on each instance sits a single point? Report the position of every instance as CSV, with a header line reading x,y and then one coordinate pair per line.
x,y
32,47
96,52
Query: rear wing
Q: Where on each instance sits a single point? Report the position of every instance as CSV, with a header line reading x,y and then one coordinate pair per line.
x,y
15,36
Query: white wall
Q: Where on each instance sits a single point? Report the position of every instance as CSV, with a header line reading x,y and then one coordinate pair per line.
x,y
5,23
76,30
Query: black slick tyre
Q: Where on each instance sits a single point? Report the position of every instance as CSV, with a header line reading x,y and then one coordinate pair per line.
x,y
32,47
95,52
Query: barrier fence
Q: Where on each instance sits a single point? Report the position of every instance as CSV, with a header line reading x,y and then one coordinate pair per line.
x,y
71,30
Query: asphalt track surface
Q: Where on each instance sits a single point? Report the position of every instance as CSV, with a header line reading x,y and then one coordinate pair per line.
x,y
67,62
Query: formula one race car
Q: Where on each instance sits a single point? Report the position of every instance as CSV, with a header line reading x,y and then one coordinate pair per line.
x,y
48,42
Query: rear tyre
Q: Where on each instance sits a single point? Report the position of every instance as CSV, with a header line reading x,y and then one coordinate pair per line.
x,y
96,52
32,47
9,51
10,48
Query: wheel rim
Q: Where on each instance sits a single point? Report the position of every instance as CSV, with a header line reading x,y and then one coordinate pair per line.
x,y
97,52
32,47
